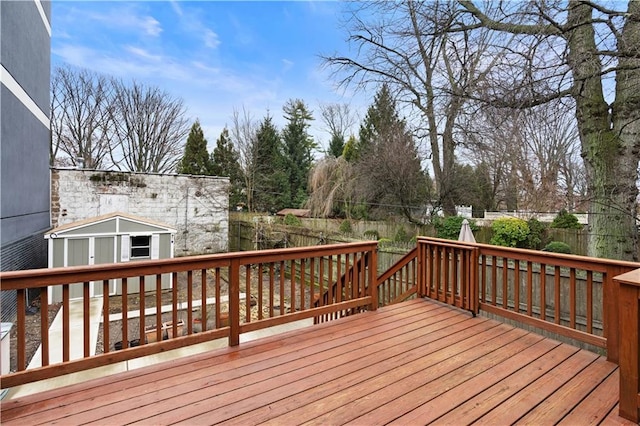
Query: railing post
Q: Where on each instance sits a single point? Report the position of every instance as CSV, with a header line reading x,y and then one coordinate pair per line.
x,y
373,277
234,302
629,346
610,313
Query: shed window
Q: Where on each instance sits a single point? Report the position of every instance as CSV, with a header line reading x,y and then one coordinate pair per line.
x,y
141,247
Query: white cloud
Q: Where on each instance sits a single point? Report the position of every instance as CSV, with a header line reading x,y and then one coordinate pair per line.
x,y
127,18
151,26
142,53
287,65
175,5
211,39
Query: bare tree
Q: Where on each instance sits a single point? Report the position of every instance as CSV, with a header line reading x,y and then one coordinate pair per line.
x,y
589,52
80,124
407,45
150,128
339,121
549,134
243,135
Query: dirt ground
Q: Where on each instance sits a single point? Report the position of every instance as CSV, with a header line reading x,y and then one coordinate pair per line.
x,y
134,324
133,302
32,326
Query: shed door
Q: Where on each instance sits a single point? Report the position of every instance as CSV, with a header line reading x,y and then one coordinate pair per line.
x,y
104,252
77,254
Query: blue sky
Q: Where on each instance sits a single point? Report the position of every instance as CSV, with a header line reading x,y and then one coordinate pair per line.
x,y
215,55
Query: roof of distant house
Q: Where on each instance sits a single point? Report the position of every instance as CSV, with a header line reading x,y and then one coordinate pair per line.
x,y
295,212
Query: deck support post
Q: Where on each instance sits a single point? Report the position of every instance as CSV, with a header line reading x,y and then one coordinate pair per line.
x,y
629,346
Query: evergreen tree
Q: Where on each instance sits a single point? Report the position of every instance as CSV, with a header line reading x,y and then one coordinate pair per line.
x,y
196,157
389,174
271,185
336,146
350,149
298,145
225,161
380,115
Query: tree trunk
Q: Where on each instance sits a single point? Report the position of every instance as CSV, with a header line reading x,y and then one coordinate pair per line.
x,y
608,136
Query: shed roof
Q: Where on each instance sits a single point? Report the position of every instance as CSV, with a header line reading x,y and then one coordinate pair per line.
x,y
107,217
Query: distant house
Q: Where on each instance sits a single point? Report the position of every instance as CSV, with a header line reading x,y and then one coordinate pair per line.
x,y
25,46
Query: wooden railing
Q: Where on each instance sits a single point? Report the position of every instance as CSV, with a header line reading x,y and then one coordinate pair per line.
x,y
448,272
400,282
214,296
572,296
347,285
629,327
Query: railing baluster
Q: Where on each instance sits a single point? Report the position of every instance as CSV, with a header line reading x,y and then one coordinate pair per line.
x,y
65,323
302,284
143,314
21,296
557,294
312,282
125,316
86,318
572,298
203,301
505,279
516,279
247,297
543,291
530,288
174,304
589,302
260,290
293,285
282,287
106,328
159,309
483,274
190,302
271,288
494,280
44,324
218,297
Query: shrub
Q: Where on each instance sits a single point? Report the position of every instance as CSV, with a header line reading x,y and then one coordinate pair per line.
x,y
384,242
537,237
510,232
345,227
292,220
372,234
558,247
449,227
566,220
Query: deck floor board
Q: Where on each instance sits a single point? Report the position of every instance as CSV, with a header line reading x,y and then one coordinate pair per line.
x,y
418,362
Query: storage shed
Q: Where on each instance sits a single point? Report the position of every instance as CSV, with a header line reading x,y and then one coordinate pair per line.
x,y
111,238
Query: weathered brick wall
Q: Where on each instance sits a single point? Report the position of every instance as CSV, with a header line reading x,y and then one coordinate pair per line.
x,y
197,206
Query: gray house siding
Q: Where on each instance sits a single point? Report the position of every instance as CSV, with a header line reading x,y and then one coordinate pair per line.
x,y
25,46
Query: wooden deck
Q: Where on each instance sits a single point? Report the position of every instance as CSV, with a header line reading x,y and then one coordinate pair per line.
x,y
418,362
